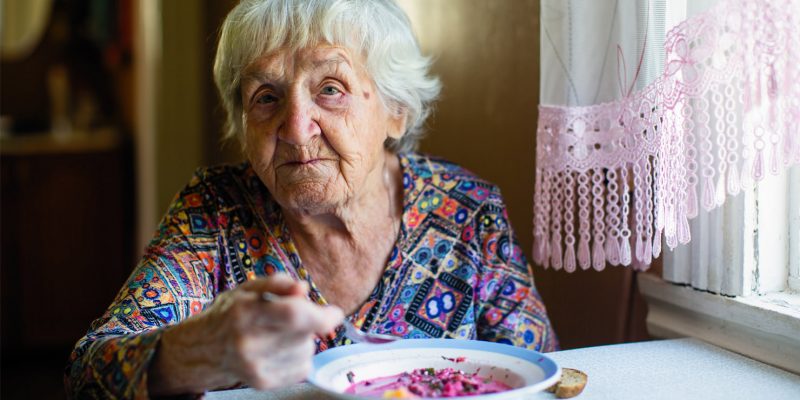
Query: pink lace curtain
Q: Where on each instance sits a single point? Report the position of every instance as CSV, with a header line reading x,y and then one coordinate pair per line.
x,y
613,178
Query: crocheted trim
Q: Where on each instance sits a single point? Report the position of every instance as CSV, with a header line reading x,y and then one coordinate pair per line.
x,y
612,178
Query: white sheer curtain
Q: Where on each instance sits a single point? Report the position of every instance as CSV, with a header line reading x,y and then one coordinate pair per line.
x,y
592,49
654,116
750,245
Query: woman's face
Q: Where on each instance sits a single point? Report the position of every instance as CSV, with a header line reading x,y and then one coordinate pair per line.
x,y
315,127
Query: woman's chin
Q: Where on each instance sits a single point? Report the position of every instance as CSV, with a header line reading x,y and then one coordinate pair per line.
x,y
311,199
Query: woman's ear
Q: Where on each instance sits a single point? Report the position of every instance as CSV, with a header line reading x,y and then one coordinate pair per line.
x,y
397,124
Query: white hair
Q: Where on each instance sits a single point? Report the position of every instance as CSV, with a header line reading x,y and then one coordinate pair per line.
x,y
377,29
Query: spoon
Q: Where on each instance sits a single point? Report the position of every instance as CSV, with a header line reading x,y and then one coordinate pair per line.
x,y
355,334
359,336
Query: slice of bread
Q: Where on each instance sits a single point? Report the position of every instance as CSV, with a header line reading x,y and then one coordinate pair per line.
x,y
571,383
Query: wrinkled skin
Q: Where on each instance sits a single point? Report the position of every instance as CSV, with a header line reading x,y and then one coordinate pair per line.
x,y
315,129
243,339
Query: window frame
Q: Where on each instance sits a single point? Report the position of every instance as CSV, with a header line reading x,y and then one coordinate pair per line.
x,y
763,322
760,327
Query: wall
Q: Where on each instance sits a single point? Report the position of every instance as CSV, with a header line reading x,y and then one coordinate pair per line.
x,y
169,49
179,140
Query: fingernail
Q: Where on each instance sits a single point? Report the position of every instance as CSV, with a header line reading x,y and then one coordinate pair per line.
x,y
268,297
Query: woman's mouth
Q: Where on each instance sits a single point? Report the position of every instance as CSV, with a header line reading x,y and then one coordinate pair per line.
x,y
304,162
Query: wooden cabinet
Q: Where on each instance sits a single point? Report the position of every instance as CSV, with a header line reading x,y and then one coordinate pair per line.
x,y
67,229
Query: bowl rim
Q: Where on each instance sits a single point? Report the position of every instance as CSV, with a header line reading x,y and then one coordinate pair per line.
x,y
549,367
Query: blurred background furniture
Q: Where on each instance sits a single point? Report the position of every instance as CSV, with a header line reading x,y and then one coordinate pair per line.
x,y
67,181
66,239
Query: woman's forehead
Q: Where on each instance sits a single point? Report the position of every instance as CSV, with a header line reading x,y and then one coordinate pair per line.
x,y
277,63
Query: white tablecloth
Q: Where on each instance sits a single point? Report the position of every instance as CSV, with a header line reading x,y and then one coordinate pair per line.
x,y
662,369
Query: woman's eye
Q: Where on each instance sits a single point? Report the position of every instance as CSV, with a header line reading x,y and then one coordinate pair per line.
x,y
330,90
266,99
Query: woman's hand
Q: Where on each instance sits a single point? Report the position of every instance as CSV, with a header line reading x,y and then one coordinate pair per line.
x,y
243,339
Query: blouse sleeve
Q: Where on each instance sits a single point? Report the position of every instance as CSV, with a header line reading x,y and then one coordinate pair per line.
x,y
176,278
511,310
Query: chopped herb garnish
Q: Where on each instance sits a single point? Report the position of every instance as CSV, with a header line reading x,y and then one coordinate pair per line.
x,y
429,382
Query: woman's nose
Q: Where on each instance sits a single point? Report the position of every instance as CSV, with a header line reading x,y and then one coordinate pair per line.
x,y
299,124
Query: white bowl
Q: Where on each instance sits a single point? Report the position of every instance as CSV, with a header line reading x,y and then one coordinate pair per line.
x,y
526,371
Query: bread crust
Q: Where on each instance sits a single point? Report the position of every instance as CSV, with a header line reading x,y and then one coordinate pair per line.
x,y
571,383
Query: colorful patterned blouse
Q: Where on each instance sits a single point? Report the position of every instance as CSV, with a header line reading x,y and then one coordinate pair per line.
x,y
456,271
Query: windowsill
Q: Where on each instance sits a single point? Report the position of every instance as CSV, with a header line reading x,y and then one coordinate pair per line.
x,y
764,328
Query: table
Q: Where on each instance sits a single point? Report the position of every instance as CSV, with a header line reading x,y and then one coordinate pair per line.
x,y
662,369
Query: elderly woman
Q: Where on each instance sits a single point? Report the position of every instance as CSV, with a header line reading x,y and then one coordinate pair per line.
x,y
332,213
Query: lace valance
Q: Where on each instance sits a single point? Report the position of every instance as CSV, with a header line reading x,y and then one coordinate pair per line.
x,y
612,178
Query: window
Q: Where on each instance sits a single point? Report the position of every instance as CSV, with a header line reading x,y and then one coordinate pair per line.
x,y
695,129
736,283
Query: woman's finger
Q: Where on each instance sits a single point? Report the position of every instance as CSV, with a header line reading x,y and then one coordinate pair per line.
x,y
275,344
271,376
274,361
279,284
296,314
